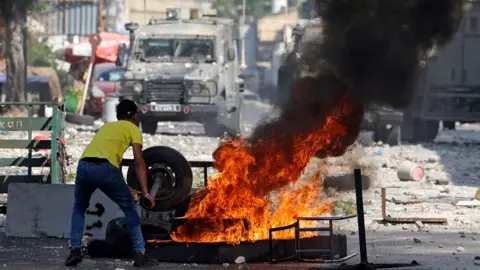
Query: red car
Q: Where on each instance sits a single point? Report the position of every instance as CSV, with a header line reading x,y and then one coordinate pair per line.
x,y
107,78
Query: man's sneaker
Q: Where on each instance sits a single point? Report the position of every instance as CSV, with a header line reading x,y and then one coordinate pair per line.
x,y
141,259
74,258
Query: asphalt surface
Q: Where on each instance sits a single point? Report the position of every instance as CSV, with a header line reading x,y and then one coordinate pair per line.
x,y
433,251
42,253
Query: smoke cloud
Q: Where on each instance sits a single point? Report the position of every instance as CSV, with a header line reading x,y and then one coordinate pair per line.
x,y
366,50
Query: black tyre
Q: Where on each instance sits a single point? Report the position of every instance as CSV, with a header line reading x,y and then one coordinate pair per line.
x,y
387,135
213,128
117,233
393,137
379,134
174,172
149,127
450,125
426,131
415,130
85,120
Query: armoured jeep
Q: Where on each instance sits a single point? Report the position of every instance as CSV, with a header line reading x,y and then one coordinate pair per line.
x,y
184,70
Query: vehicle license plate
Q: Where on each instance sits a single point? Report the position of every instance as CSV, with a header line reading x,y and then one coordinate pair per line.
x,y
166,108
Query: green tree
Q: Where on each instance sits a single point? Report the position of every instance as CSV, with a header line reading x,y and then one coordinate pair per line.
x,y
14,14
233,8
40,54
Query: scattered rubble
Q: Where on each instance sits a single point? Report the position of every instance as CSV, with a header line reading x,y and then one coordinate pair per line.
x,y
419,224
240,260
476,260
445,181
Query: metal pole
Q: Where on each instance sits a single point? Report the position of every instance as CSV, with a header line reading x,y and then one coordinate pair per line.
x,y
25,56
180,10
25,88
360,216
243,23
101,23
144,11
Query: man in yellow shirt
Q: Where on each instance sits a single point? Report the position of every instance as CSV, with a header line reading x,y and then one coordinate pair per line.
x,y
99,167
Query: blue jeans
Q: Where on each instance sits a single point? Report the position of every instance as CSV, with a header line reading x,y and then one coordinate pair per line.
x,y
109,180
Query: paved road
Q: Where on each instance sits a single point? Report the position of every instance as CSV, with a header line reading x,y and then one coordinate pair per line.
x,y
435,251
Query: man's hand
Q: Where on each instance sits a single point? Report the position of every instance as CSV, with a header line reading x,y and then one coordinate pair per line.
x,y
150,199
135,194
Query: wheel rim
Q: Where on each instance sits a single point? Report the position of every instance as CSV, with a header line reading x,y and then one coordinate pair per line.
x,y
167,178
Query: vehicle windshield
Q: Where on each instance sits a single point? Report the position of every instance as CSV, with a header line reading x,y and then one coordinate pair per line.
x,y
199,50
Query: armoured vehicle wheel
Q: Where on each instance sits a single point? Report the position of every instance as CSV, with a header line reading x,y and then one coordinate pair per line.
x,y
213,129
426,131
149,127
390,136
174,172
449,125
415,130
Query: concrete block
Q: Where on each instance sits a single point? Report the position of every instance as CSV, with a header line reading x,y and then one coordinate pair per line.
x,y
345,182
41,210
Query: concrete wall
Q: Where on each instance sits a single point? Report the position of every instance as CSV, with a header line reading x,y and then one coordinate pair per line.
x,y
36,210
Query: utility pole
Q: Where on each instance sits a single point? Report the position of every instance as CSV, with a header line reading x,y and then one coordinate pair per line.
x,y
101,23
144,11
179,13
243,27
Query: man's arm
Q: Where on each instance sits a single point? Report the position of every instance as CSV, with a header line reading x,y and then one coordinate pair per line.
x,y
140,167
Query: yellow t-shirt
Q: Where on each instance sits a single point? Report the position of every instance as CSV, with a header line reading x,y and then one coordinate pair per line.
x,y
112,140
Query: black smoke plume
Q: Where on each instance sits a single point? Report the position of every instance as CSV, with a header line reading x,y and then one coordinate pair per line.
x,y
367,50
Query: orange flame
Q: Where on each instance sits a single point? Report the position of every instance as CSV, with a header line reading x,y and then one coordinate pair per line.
x,y
238,206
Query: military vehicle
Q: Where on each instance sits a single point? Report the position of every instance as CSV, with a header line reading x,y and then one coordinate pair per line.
x,y
448,88
185,70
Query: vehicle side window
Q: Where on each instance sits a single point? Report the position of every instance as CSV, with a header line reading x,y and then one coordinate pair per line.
x,y
116,75
112,75
103,76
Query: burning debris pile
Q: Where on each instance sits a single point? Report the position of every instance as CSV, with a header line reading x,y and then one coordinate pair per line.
x,y
367,52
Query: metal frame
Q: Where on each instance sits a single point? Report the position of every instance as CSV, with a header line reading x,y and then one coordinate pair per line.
x,y
30,124
364,264
298,251
389,219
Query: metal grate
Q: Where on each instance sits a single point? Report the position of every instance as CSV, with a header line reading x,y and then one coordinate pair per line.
x,y
321,253
164,91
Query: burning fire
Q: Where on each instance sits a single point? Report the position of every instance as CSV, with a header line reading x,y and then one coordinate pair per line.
x,y
237,205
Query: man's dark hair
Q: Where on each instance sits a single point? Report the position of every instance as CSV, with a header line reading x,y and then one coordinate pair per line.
x,y
126,109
